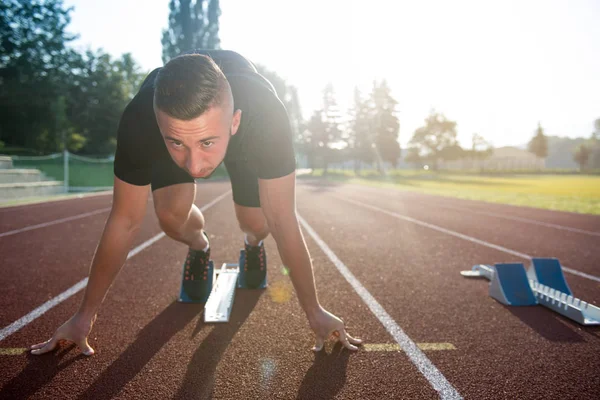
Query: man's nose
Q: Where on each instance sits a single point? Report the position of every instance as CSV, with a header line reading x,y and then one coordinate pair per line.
x,y
195,163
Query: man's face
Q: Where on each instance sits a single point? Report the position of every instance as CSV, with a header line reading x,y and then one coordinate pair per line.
x,y
199,145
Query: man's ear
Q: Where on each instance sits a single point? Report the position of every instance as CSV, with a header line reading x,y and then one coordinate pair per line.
x,y
235,122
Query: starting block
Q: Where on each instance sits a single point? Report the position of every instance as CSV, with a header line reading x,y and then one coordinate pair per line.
x,y
219,303
223,282
543,283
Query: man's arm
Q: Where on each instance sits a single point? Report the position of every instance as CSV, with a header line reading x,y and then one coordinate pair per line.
x,y
128,210
278,203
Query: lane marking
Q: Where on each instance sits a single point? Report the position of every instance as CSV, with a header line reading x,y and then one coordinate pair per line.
x,y
396,347
35,203
526,220
56,221
461,236
23,321
416,355
436,346
12,352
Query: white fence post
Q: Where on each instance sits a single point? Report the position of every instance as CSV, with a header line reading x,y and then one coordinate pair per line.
x,y
66,170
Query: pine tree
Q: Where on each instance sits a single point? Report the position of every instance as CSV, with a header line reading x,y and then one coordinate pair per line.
x,y
539,143
193,24
581,156
359,140
386,125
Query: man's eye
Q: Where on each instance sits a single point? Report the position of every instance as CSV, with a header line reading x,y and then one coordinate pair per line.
x,y
208,143
176,144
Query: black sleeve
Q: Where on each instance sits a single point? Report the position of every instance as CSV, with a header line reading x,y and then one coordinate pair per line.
x,y
132,161
273,154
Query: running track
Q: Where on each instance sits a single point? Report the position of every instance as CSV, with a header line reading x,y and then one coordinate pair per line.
x,y
385,261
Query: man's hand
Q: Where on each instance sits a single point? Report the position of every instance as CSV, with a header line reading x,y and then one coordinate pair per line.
x,y
76,330
325,324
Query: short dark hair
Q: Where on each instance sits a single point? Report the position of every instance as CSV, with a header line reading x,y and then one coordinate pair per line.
x,y
189,85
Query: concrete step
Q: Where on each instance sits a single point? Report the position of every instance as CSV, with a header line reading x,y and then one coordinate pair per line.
x,y
5,162
13,191
21,175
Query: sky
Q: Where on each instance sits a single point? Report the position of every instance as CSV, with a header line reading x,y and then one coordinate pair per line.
x,y
497,68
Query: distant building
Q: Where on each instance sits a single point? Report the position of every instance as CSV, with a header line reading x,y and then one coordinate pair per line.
x,y
502,158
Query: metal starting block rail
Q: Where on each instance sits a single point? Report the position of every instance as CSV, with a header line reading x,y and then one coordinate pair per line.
x,y
220,301
222,284
543,283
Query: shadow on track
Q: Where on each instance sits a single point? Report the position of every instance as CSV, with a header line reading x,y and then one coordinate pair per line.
x,y
149,341
547,323
200,376
39,371
327,375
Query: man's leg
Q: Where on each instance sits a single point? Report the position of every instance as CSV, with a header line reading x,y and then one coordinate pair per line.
x,y
179,218
253,223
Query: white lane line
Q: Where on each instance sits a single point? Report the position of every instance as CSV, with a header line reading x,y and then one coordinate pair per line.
x,y
520,219
4,208
56,221
526,220
416,355
460,235
23,321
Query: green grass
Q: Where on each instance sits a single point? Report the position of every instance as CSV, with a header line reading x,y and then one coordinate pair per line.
x,y
84,174
565,192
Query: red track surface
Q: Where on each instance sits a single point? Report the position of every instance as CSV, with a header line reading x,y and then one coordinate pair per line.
x,y
148,346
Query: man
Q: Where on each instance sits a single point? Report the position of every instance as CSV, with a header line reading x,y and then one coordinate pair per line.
x,y
197,111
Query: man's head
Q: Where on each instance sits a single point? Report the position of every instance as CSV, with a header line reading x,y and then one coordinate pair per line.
x,y
193,105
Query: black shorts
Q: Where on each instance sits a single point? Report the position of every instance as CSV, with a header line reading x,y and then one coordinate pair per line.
x,y
244,183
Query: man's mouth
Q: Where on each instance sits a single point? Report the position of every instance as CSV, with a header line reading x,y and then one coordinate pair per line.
x,y
203,174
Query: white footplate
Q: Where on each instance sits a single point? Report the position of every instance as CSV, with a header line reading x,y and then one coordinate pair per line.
x,y
219,303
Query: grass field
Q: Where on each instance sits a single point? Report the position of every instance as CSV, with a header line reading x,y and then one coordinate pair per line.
x,y
84,174
575,193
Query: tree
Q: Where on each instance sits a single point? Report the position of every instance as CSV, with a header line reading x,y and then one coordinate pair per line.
x,y
193,24
288,95
480,148
104,87
374,127
413,156
581,156
436,140
315,138
385,125
596,133
594,146
332,134
359,139
35,65
539,143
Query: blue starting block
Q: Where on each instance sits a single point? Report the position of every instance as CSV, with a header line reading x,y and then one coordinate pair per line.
x,y
543,283
510,285
548,271
217,288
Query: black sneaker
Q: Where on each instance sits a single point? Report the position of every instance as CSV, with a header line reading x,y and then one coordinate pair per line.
x,y
255,266
197,283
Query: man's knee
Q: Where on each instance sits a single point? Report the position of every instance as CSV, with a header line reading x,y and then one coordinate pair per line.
x,y
171,220
252,220
173,205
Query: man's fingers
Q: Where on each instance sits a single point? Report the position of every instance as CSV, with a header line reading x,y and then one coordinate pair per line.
x,y
49,346
353,340
39,345
320,342
344,339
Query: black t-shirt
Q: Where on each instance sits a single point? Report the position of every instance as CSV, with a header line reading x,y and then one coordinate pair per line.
x,y
263,141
